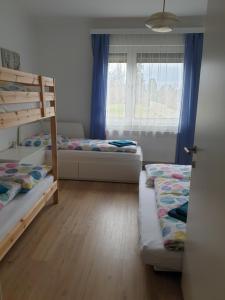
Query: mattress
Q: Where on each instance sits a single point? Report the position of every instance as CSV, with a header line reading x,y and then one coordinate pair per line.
x,y
85,155
152,249
18,207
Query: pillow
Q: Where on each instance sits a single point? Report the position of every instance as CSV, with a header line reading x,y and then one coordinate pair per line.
x,y
167,171
42,139
8,190
27,175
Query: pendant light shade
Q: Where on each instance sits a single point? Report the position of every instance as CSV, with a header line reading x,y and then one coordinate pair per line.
x,y
162,21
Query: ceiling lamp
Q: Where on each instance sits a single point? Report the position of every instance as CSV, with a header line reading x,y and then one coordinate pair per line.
x,y
162,21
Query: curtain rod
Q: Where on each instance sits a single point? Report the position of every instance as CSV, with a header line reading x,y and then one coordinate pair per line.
x,y
145,31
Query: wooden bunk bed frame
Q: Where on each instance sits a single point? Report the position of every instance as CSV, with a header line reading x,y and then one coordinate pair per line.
x,y
16,118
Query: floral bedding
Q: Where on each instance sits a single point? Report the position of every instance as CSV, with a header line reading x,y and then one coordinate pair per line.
x,y
171,193
42,139
8,190
27,175
65,143
154,171
95,145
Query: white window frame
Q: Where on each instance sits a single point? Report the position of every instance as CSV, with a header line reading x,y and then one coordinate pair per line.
x,y
132,51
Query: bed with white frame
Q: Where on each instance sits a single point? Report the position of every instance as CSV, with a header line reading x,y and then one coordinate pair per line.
x,y
151,244
89,165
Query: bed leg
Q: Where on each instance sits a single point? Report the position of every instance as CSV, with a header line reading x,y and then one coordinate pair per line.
x,y
56,197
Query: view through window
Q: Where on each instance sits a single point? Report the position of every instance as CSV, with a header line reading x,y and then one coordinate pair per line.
x,y
144,90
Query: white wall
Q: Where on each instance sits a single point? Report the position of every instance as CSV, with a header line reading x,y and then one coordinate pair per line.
x,y
17,33
65,53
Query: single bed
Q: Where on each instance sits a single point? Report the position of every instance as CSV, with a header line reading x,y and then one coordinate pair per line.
x,y
99,166
152,248
90,165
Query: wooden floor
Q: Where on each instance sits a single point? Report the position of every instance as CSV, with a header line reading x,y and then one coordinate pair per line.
x,y
85,248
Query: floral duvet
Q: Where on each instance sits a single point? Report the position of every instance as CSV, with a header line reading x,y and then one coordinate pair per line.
x,y
171,193
27,175
8,190
65,143
154,171
95,145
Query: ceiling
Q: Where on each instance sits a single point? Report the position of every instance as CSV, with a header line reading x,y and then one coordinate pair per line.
x,y
113,8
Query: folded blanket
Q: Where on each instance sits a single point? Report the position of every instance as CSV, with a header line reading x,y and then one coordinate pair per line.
x,y
27,175
170,194
122,143
179,213
154,171
8,190
183,209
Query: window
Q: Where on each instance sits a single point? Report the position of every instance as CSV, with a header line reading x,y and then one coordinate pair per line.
x,y
144,88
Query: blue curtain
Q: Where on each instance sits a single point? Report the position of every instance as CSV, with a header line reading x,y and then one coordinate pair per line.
x,y
192,67
100,48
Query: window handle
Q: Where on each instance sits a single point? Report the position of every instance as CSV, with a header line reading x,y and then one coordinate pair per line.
x,y
191,150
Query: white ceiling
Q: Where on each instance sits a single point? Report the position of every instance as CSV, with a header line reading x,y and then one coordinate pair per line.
x,y
113,8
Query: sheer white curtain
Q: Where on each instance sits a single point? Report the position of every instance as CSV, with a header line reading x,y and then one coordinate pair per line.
x,y
144,83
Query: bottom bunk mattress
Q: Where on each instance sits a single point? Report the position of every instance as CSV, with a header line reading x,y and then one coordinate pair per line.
x,y
12,213
152,248
99,166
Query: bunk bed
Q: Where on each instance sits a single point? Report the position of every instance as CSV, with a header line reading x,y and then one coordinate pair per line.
x,y
37,102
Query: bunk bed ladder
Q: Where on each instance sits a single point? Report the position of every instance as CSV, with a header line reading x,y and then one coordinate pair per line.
x,y
53,128
54,143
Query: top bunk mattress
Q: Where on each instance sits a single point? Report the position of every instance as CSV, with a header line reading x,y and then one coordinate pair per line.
x,y
11,214
150,238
